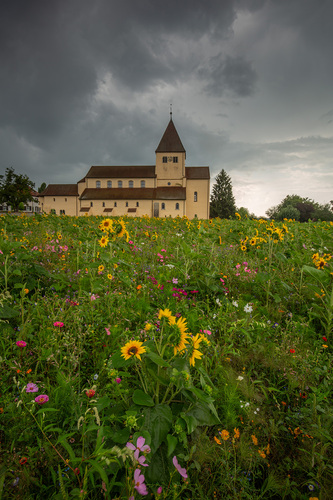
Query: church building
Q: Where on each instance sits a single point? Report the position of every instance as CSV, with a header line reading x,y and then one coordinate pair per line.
x,y
166,189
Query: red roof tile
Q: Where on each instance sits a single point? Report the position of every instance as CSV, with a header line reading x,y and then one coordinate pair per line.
x,y
170,142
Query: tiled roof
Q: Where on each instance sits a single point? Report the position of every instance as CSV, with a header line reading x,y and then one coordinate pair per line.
x,y
197,173
111,172
159,193
170,142
60,190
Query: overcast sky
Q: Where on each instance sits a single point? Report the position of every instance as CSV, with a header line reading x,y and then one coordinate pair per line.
x,y
90,82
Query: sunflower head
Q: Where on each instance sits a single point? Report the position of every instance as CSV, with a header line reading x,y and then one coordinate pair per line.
x,y
103,241
164,314
132,348
193,349
178,337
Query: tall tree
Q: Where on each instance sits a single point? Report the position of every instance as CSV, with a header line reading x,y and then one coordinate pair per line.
x,y
42,187
15,188
222,201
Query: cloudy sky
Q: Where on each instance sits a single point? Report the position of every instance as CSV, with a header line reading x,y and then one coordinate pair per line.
x,y
90,82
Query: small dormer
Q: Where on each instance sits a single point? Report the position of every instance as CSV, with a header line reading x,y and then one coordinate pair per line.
x,y
170,157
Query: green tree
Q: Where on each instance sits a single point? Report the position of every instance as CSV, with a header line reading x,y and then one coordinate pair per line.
x,y
222,201
304,209
42,187
15,188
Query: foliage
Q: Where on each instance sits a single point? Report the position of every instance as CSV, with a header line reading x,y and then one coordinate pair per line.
x,y
222,203
301,209
185,359
42,187
15,188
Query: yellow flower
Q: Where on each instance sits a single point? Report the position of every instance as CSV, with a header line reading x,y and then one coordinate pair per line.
x,y
132,348
166,313
262,454
194,353
106,224
103,241
237,433
26,290
324,346
100,268
243,248
148,327
224,435
180,335
110,276
254,440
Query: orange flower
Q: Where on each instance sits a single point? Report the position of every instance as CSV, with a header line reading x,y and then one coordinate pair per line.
x,y
224,435
237,433
138,287
217,440
29,371
254,440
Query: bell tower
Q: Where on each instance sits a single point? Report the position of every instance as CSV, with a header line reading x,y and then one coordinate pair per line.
x,y
170,158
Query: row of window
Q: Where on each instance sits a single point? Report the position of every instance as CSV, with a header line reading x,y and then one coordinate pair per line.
x,y
120,184
173,159
195,198
126,204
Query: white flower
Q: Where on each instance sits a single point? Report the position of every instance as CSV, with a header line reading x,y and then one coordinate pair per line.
x,y
218,302
248,308
169,265
235,303
240,378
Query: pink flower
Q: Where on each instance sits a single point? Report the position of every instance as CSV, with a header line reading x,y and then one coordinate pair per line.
x,y
139,484
43,398
107,331
140,446
58,324
90,393
118,380
181,470
31,387
21,343
159,490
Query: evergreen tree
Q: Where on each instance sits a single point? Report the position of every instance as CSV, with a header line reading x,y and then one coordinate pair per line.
x,y
42,187
222,201
15,188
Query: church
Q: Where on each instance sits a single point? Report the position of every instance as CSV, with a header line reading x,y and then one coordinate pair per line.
x,y
166,189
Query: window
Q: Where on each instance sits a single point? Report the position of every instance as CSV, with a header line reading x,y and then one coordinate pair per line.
x,y
65,199
53,199
109,184
120,184
175,159
143,184
165,159
169,183
137,203
91,204
177,206
103,204
53,211
126,203
162,206
62,212
115,203
98,184
130,184
195,196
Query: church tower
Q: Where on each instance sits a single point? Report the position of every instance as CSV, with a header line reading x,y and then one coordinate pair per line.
x,y
170,158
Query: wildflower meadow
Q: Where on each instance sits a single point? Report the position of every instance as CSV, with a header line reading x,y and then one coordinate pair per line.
x,y
165,358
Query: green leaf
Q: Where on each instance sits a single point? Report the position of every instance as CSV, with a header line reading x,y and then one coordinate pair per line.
x,y
8,312
118,361
203,414
158,470
172,443
157,359
121,436
158,422
96,466
315,273
141,398
191,422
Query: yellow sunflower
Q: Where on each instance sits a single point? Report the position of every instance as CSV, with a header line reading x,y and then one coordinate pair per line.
x,y
193,350
106,224
103,241
166,313
132,348
180,336
100,268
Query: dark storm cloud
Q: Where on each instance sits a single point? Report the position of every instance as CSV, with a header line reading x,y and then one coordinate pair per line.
x,y
229,74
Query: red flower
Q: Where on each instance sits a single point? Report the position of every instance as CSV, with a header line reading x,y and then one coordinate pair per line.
x,y
292,351
23,460
90,393
324,339
77,471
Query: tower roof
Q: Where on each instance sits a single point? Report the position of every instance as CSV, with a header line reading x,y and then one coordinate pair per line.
x,y
170,142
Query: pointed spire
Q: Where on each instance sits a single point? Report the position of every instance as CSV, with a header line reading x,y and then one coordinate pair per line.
x,y
170,142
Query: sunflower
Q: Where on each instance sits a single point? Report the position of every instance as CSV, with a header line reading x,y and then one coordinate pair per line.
x,y
193,350
110,276
180,334
103,241
100,268
320,263
166,313
106,224
132,348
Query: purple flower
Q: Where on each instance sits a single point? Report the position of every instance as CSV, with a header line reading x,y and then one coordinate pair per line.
x,y
118,380
139,483
181,470
159,490
43,398
31,387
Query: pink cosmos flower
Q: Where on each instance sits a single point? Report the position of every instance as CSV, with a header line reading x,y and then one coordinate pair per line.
x,y
21,343
159,490
181,470
140,447
107,331
139,483
58,324
43,398
31,387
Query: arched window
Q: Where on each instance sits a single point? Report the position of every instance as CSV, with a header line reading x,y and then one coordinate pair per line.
x,y
162,206
98,184
177,206
115,203
109,184
137,203
143,184
130,184
120,184
126,203
195,196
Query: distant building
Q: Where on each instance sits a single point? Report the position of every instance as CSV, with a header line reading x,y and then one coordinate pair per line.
x,y
166,189
30,207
